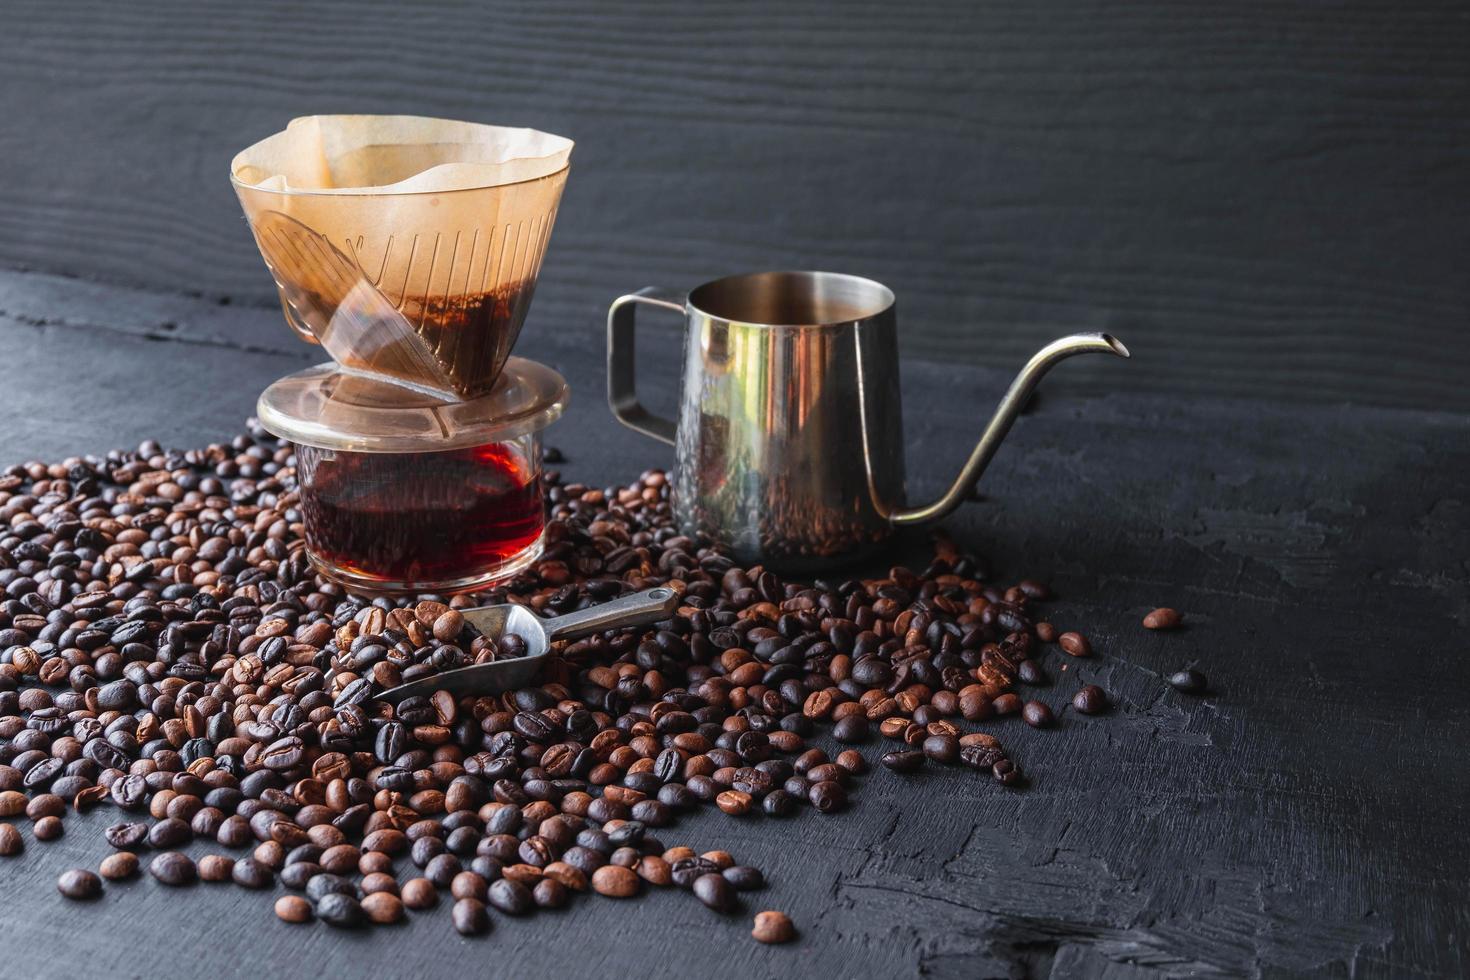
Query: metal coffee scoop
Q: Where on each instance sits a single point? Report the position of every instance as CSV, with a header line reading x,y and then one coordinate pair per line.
x,y
497,621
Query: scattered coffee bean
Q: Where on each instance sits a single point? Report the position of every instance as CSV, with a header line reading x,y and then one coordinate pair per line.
x,y
1189,682
293,908
1162,618
744,878
11,842
342,911
715,892
1007,704
45,805
514,898
827,796
1037,715
614,881
1091,700
1030,672
734,802
119,865
216,867
904,761
79,884
382,908
250,873
773,927
419,894
470,916
48,828
853,728
1075,645
550,893
943,748
173,868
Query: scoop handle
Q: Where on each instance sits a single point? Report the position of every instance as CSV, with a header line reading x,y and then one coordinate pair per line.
x,y
630,610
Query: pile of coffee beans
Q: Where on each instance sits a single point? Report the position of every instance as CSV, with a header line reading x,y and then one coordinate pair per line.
x,y
167,651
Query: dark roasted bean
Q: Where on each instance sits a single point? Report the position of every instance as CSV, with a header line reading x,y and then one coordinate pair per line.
x,y
1091,700
510,897
1037,715
172,868
79,884
715,892
470,917
1189,682
341,910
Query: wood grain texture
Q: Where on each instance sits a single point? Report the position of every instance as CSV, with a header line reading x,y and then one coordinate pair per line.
x,y
1308,820
1264,198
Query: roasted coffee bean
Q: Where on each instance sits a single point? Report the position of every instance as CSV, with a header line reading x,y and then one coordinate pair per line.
x,y
827,796
1030,672
250,873
382,908
79,884
614,881
779,803
1007,704
510,897
293,908
1091,700
340,910
1074,644
119,865
48,828
172,868
216,867
744,878
470,917
684,871
734,802
904,761
169,833
549,893
45,805
1037,715
1162,618
773,927
715,892
1189,682
126,835
322,884
853,728
942,748
419,893
11,843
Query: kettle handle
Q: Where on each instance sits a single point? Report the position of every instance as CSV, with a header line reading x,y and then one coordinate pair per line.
x,y
622,389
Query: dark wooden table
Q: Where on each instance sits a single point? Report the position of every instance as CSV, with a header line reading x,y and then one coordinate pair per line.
x,y
1308,818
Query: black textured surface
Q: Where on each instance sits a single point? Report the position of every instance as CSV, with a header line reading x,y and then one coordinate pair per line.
x,y
1270,196
1306,819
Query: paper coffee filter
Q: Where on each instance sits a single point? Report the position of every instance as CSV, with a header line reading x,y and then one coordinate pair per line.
x,y
408,247
352,155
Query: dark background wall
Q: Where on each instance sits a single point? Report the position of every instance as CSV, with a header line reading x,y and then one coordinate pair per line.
x,y
1263,198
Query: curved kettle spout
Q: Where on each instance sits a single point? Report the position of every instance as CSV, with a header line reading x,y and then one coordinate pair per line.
x,y
1010,407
